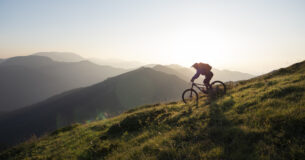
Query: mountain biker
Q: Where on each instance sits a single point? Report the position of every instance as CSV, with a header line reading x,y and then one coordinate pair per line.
x,y
203,69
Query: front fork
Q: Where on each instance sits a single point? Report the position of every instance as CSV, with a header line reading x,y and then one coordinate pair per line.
x,y
191,90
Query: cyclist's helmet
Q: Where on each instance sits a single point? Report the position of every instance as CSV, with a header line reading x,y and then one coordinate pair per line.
x,y
195,65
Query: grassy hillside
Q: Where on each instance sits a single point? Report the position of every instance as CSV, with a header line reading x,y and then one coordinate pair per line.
x,y
263,118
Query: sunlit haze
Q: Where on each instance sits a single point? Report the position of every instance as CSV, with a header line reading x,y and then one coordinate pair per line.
x,y
249,36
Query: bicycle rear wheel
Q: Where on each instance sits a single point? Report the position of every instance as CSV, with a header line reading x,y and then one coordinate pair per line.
x,y
190,96
219,88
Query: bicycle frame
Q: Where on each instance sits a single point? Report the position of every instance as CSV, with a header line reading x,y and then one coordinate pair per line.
x,y
198,86
215,91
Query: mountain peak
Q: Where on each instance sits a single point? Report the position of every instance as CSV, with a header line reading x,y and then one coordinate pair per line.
x,y
28,61
61,56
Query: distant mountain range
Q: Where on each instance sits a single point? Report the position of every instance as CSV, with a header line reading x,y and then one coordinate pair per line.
x,y
29,79
72,57
187,73
113,96
117,63
180,71
61,56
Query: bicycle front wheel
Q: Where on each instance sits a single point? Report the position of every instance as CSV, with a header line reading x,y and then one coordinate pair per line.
x,y
190,96
219,88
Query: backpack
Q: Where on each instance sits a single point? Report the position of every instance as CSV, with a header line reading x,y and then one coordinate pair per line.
x,y
204,66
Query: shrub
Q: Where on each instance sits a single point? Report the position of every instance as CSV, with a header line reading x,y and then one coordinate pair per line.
x,y
65,129
135,122
241,108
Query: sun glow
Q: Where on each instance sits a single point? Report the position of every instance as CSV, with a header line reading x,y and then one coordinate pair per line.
x,y
197,45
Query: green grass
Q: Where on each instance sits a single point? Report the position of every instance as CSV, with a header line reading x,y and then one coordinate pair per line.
x,y
262,118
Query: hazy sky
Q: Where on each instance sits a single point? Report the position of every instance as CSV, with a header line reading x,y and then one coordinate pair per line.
x,y
251,36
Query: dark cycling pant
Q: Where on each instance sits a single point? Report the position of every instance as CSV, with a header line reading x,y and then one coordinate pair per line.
x,y
208,77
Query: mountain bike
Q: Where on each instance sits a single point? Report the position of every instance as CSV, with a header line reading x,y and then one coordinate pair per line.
x,y
190,95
